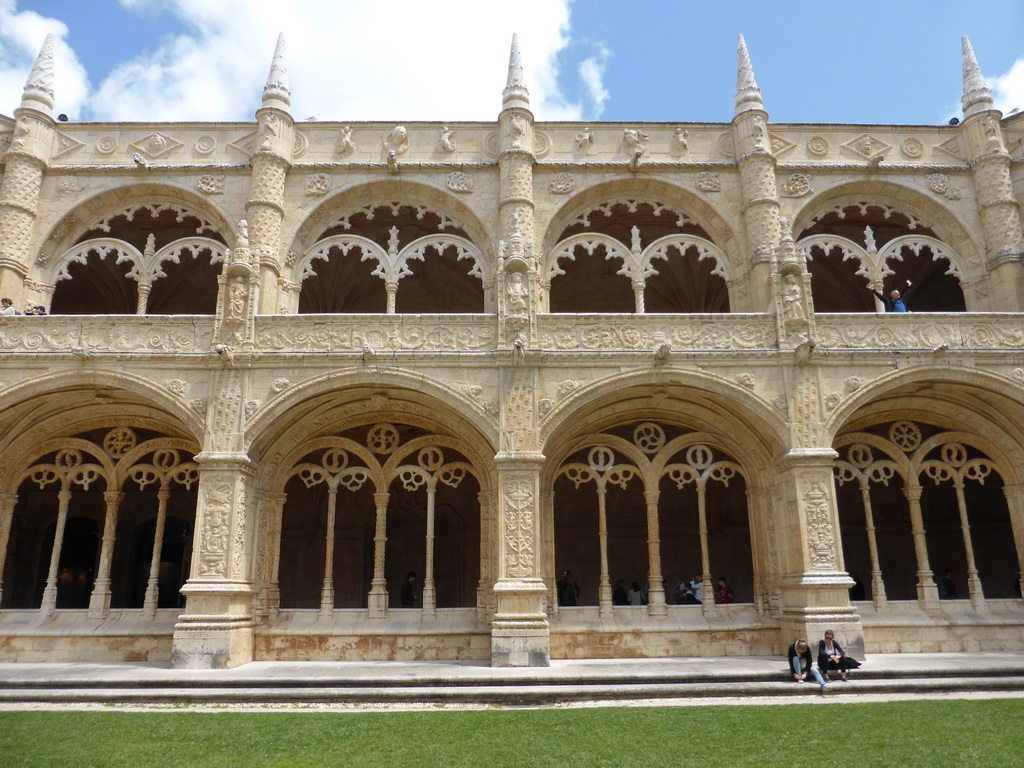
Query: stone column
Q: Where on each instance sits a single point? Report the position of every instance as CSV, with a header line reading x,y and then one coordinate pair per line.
x,y
927,591
814,585
216,629
49,603
981,136
99,601
655,582
152,599
519,632
377,601
271,159
7,504
757,176
1015,503
25,164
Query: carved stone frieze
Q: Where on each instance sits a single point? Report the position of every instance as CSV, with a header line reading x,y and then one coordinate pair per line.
x,y
210,184
155,144
650,332
457,181
797,185
912,147
318,185
284,333
819,146
709,181
71,187
110,334
205,145
817,509
518,503
970,333
939,183
562,184
216,531
177,386
867,146
952,147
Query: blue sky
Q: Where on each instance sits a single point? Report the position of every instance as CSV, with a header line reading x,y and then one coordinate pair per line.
x,y
662,60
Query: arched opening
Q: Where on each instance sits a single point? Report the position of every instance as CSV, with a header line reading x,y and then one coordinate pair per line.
x,y
603,519
838,281
422,263
612,251
153,257
415,487
904,480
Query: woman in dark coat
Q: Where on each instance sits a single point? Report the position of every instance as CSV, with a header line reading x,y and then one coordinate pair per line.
x,y
831,656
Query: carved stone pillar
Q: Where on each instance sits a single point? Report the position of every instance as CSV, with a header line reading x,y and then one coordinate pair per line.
x,y
488,560
519,631
814,584
19,198
270,161
981,136
271,545
49,603
757,178
518,284
7,504
927,590
99,601
377,601
1015,503
216,629
655,582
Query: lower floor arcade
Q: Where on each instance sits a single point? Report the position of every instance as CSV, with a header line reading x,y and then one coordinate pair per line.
x,y
377,533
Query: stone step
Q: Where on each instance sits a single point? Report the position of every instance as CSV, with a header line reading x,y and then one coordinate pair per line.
x,y
523,693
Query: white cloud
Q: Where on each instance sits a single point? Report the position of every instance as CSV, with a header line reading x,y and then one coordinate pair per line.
x,y
357,60
1008,89
21,36
592,71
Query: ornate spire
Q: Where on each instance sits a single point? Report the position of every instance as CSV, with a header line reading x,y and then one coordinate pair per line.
x,y
275,92
748,95
975,90
515,93
38,93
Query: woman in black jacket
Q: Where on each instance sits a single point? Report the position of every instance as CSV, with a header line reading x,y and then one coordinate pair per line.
x,y
831,656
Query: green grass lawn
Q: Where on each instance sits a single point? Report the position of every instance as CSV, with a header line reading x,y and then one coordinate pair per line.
x,y
935,734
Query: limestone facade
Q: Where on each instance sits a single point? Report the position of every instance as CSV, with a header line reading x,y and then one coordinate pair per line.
x,y
287,363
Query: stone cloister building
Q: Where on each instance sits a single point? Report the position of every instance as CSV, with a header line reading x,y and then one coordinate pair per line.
x,y
285,363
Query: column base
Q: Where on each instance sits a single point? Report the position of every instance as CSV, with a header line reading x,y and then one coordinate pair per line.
x,y
216,631
520,635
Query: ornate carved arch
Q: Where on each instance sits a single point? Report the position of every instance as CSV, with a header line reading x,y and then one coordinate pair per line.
x,y
308,226
669,197
890,197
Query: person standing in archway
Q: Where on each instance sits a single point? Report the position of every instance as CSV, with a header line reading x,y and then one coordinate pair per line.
x,y
895,302
568,590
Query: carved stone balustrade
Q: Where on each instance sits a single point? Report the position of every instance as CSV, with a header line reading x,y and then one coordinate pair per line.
x,y
177,334
921,330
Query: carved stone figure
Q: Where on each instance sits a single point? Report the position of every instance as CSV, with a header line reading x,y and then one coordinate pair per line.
x,y
518,294
346,143
792,297
446,143
680,142
585,141
236,302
